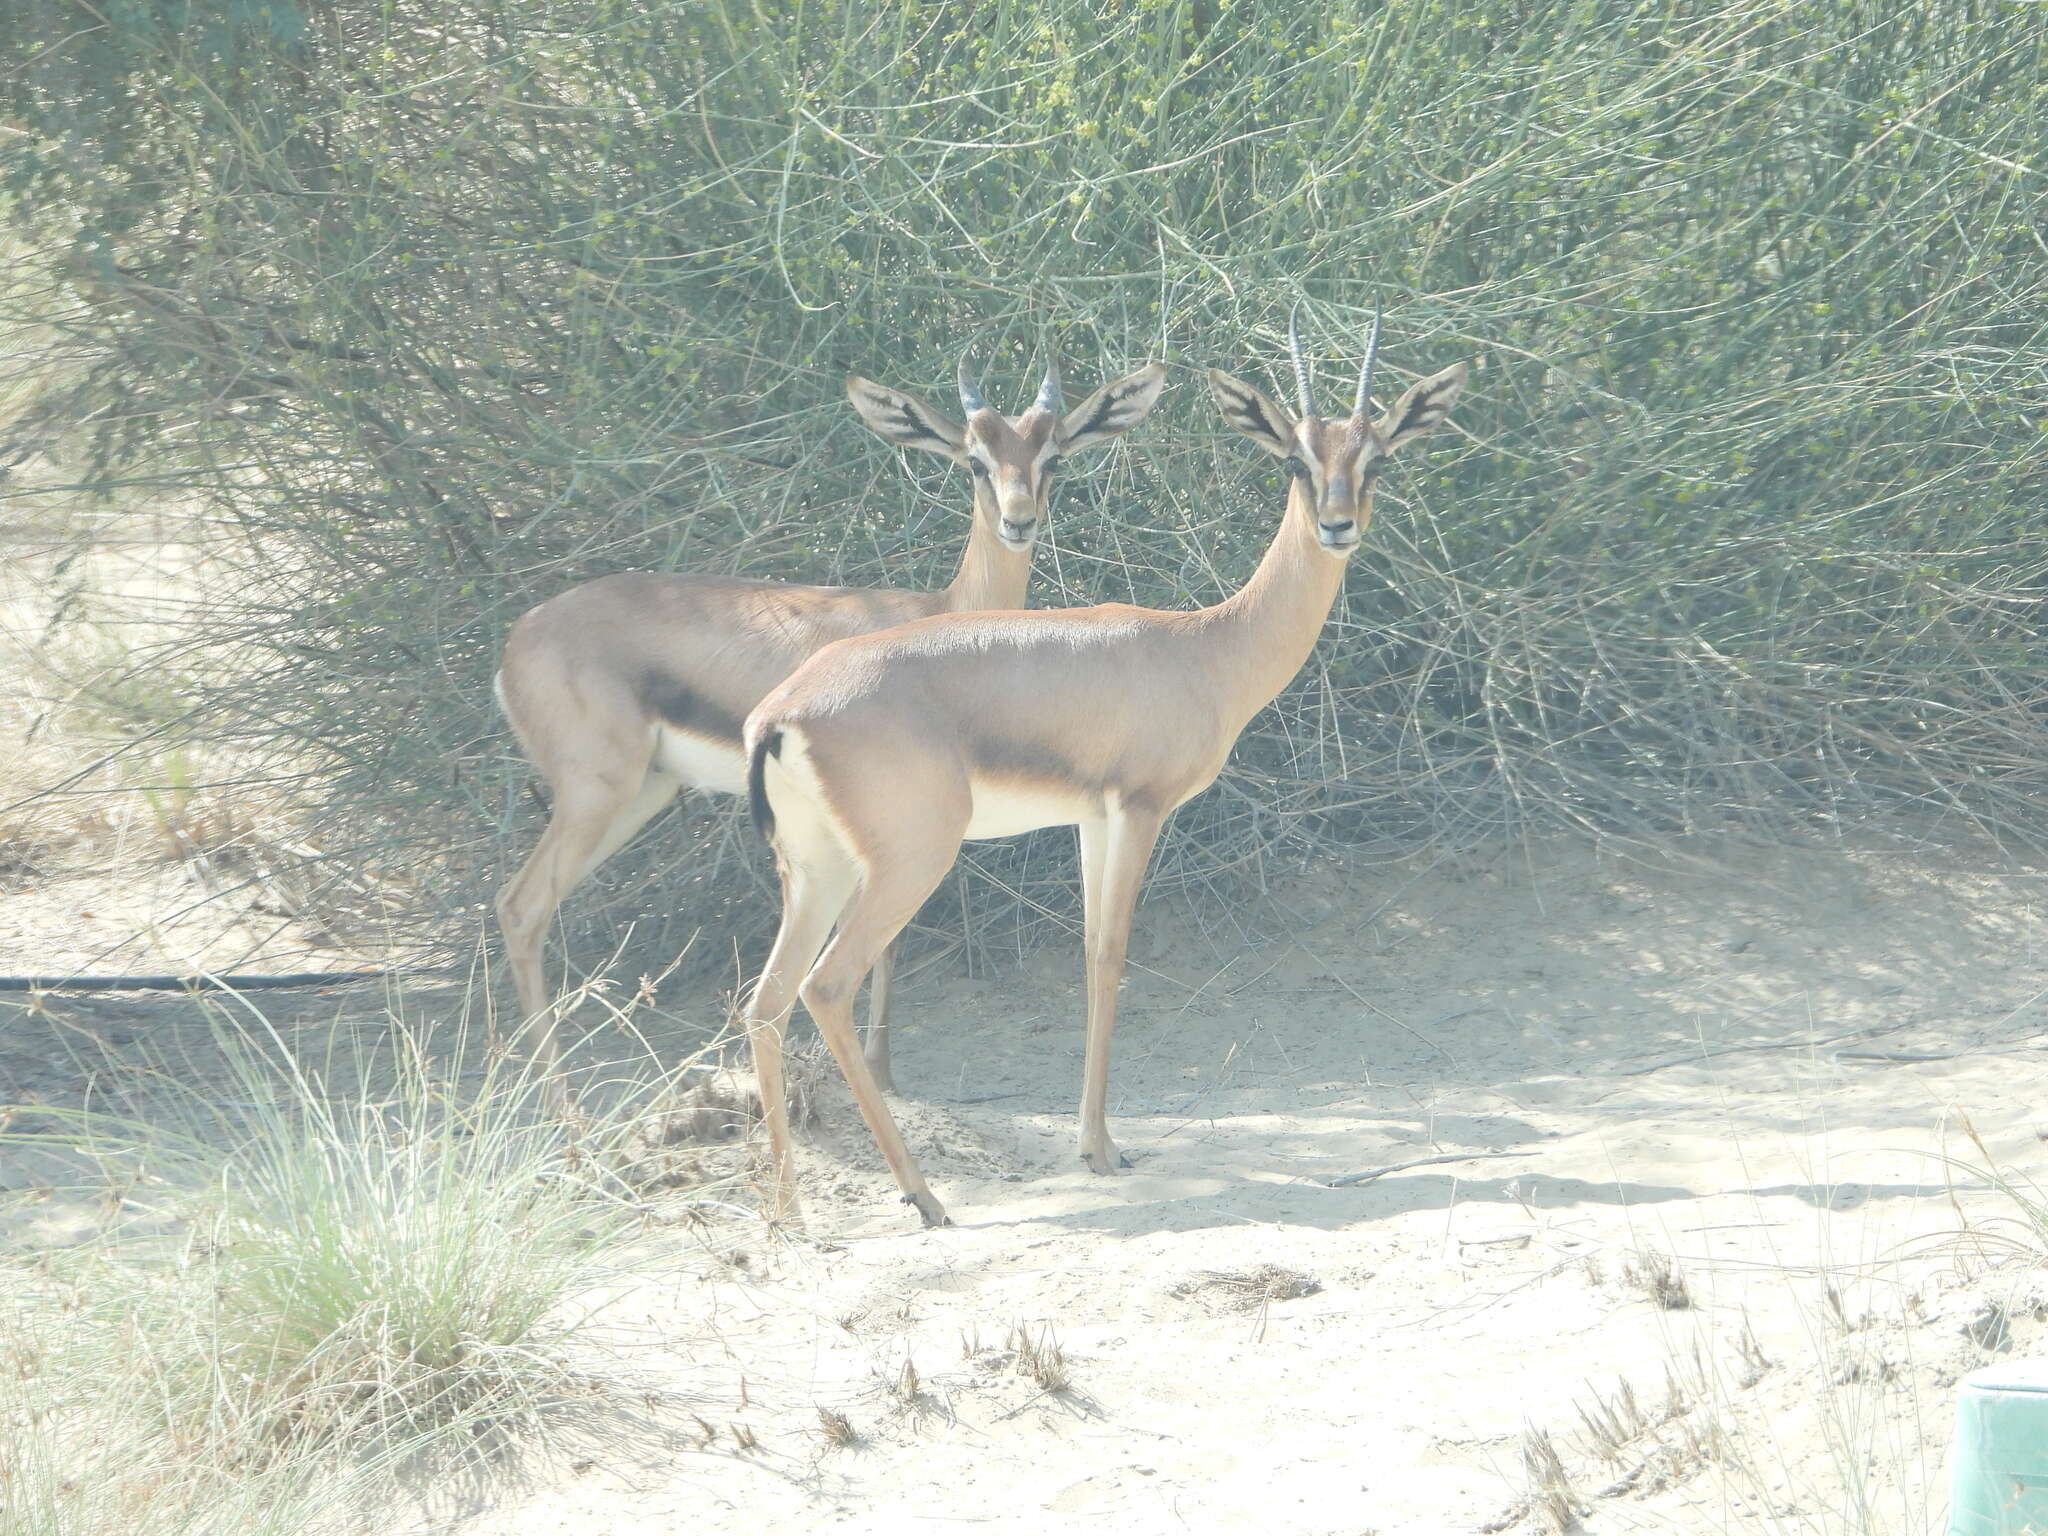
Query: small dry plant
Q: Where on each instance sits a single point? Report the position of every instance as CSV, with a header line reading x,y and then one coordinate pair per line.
x,y
1658,1277
1613,1423
1550,1496
1039,1357
1245,1290
906,1386
836,1428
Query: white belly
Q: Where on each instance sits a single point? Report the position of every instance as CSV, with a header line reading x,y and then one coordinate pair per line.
x,y
700,762
1005,807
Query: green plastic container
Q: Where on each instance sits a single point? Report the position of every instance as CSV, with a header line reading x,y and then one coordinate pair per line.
x,y
1999,1477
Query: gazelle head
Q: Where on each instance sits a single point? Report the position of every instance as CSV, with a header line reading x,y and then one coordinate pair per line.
x,y
1334,462
1012,458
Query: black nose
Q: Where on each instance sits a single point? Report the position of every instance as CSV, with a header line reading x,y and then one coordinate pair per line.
x,y
1344,527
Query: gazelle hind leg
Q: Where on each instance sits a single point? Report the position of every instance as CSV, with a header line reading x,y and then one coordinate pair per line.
x,y
812,898
868,926
590,821
881,990
656,790
1114,854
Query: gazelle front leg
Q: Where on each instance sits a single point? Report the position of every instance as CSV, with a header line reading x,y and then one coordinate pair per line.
x,y
881,987
1114,853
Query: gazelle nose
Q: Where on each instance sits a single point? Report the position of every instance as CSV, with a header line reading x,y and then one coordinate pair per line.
x,y
1344,526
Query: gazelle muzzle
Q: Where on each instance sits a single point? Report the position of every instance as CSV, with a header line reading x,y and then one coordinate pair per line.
x,y
1018,532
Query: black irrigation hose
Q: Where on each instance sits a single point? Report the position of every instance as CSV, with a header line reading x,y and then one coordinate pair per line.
x,y
232,982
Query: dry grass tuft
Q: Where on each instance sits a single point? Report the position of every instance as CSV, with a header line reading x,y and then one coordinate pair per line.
x,y
713,1111
809,1073
1658,1277
1613,1423
1245,1290
836,1427
1040,1357
906,1386
1550,1496
1749,1353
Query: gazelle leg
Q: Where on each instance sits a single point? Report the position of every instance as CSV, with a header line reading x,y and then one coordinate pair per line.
x,y
881,984
868,926
1114,854
590,822
656,790
811,903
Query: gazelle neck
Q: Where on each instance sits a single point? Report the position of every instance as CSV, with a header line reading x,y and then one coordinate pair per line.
x,y
991,575
1266,630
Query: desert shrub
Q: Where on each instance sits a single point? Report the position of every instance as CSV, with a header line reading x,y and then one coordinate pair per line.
x,y
442,307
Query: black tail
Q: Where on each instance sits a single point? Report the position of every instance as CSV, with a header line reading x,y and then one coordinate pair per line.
x,y
770,745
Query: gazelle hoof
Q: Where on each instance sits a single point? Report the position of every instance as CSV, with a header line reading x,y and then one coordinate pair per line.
x,y
1106,1161
928,1207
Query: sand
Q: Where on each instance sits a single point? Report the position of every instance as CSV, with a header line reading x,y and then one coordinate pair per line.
x,y
1725,1267
1713,1248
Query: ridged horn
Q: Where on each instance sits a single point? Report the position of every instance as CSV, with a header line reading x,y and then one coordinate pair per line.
x,y
1372,353
1049,396
1308,407
970,390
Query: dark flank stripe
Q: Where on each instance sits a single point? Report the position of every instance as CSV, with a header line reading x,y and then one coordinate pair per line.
x,y
669,700
1022,760
1028,762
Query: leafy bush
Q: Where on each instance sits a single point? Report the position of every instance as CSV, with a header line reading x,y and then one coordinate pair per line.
x,y
445,306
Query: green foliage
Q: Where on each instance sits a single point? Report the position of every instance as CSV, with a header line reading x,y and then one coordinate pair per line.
x,y
445,306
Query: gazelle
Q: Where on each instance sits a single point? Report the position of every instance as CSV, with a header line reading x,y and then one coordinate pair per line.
x,y
628,688
878,756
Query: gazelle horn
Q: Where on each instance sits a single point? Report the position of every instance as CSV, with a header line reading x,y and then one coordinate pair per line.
x,y
970,390
1372,352
1049,397
1308,407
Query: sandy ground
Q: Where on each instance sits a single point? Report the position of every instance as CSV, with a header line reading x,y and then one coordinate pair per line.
x,y
1714,1251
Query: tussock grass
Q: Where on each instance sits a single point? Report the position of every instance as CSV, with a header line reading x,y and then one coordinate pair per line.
x,y
339,1272
98,1471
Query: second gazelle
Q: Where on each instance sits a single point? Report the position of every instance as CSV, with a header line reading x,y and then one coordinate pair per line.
x,y
873,761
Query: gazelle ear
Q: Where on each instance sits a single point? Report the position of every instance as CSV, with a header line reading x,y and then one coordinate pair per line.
x,y
904,419
1113,409
1426,404
1253,414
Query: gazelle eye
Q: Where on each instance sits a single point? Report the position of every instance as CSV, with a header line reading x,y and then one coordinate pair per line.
x,y
1051,465
1296,468
979,468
